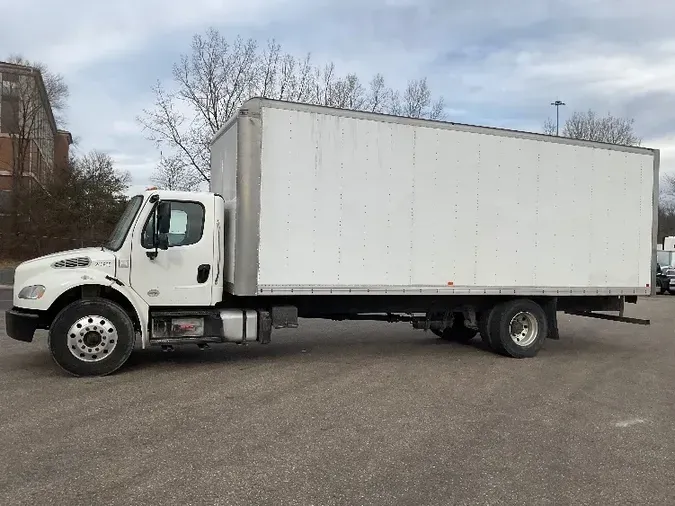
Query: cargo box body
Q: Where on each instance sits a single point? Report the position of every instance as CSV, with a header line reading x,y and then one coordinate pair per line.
x,y
327,201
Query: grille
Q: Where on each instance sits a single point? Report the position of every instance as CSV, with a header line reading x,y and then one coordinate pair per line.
x,y
71,263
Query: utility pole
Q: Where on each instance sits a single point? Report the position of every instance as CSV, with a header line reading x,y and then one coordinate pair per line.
x,y
557,105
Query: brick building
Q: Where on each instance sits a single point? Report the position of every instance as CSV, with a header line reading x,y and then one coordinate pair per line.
x,y
26,117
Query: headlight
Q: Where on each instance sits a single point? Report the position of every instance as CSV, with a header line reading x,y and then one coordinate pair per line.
x,y
32,292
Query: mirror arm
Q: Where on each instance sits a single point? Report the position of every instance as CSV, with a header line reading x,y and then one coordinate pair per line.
x,y
153,254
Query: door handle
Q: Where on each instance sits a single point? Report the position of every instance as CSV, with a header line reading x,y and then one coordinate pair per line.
x,y
203,273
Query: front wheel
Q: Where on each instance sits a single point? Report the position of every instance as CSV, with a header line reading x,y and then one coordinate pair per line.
x,y
91,337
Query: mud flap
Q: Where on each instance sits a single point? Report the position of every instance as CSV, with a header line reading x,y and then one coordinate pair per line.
x,y
550,308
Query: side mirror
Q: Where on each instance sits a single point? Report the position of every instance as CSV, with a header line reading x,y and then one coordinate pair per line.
x,y
163,218
160,229
163,241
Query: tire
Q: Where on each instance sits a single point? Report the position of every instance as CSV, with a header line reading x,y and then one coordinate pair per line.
x,y
508,318
91,337
458,332
485,325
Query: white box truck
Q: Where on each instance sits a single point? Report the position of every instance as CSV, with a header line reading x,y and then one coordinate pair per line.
x,y
317,212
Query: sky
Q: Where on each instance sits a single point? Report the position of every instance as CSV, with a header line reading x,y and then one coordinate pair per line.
x,y
496,63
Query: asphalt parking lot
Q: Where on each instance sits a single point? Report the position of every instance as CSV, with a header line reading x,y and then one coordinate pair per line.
x,y
351,413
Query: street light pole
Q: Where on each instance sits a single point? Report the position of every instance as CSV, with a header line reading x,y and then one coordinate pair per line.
x,y
557,105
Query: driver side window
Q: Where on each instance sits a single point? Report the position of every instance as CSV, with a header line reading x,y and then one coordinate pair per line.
x,y
186,225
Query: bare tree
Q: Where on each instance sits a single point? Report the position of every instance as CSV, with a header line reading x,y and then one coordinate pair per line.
x,y
212,82
302,81
417,101
173,174
591,127
549,127
379,96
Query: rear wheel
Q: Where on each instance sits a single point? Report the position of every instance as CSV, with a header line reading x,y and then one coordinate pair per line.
x,y
91,337
517,328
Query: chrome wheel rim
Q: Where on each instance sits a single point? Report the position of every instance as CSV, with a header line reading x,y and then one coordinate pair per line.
x,y
524,328
92,338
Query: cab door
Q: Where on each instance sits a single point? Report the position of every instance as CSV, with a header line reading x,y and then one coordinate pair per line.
x,y
183,273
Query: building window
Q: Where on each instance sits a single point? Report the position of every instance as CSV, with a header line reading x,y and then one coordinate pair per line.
x,y
9,84
9,115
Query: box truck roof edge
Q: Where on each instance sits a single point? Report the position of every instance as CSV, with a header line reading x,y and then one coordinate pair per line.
x,y
254,105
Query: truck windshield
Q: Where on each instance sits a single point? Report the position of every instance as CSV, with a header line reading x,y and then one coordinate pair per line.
x,y
121,230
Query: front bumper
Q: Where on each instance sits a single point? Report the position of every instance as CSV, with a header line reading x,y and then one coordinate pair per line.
x,y
20,325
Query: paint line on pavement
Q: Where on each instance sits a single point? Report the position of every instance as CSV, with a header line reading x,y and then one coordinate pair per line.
x,y
628,423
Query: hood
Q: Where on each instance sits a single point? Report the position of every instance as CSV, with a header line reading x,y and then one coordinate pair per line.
x,y
80,252
77,259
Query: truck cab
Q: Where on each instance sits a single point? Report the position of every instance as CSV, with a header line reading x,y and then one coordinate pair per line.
x,y
166,251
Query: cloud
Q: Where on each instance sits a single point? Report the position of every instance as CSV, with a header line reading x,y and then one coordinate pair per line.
x,y
496,63
80,33
609,72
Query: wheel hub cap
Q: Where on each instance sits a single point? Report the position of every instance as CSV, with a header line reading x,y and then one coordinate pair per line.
x,y
524,329
92,338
